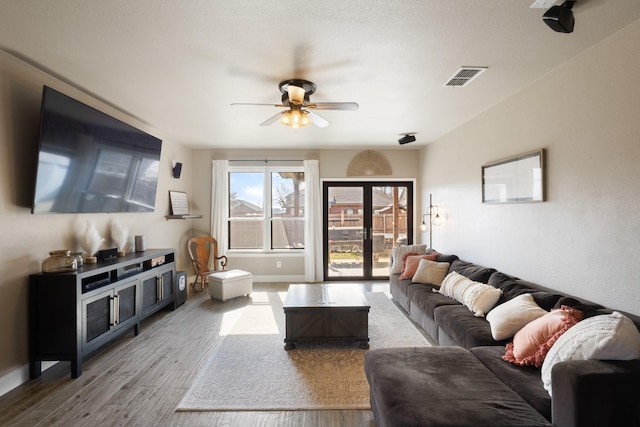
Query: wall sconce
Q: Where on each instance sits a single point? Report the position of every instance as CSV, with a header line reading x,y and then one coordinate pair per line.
x,y
177,169
434,220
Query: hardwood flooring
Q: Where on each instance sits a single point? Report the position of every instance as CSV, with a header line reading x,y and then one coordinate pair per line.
x,y
139,381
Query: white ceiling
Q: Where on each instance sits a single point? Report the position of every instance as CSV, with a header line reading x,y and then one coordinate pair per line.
x,y
178,65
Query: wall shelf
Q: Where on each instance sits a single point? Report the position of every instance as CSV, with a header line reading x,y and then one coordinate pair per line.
x,y
168,217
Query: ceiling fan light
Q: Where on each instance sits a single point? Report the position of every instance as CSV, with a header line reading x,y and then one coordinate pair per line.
x,y
296,94
295,119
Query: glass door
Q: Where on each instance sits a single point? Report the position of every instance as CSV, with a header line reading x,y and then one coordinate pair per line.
x,y
362,222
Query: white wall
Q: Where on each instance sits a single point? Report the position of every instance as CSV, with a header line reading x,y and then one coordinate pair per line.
x,y
585,239
333,164
26,238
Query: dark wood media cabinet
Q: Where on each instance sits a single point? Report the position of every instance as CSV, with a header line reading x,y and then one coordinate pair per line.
x,y
71,315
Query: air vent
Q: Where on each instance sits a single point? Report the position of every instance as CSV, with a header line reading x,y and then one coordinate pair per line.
x,y
464,76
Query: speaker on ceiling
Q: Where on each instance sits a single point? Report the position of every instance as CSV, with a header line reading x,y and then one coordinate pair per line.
x,y
406,139
560,18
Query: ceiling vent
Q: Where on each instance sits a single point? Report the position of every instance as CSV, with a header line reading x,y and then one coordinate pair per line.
x,y
464,76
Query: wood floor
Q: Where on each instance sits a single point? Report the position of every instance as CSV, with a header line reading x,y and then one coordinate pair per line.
x,y
139,381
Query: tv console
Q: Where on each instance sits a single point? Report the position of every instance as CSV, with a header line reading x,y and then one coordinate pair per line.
x,y
72,315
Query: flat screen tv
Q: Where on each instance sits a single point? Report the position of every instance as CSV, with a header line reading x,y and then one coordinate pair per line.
x,y
90,162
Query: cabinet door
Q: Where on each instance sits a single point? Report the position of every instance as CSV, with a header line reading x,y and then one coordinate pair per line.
x,y
167,285
150,293
127,304
97,315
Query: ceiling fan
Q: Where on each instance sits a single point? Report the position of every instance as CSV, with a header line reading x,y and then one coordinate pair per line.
x,y
295,97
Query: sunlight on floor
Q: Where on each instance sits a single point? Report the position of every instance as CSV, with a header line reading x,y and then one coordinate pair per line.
x,y
261,317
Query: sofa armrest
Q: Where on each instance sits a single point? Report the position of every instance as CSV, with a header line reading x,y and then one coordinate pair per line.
x,y
595,393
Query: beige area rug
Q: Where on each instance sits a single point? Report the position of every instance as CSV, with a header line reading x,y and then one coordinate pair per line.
x,y
250,370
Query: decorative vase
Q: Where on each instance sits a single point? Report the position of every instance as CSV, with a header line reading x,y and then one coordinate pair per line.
x,y
59,261
78,257
90,259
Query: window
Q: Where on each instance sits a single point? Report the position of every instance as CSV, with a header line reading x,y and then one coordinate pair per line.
x,y
266,208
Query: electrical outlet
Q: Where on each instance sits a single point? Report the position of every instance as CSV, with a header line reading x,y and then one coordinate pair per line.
x,y
278,264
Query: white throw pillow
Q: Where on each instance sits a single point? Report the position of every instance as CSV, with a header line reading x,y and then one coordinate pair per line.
x,y
508,318
397,253
476,296
605,337
431,272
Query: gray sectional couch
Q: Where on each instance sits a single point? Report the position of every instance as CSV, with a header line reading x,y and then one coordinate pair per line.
x,y
463,381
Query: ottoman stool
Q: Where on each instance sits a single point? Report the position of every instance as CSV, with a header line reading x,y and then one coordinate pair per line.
x,y
230,284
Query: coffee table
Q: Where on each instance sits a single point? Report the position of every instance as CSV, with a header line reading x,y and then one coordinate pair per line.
x,y
326,312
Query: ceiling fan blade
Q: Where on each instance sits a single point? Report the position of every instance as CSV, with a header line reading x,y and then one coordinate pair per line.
x,y
258,104
344,106
317,120
272,119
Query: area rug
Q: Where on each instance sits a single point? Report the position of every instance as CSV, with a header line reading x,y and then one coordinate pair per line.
x,y
250,370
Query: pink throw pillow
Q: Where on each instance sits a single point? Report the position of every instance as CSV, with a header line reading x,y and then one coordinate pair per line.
x,y
412,262
404,260
531,343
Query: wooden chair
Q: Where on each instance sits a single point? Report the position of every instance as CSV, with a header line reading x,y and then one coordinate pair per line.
x,y
200,251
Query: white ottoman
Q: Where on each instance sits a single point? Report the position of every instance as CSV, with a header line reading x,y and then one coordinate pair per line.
x,y
230,284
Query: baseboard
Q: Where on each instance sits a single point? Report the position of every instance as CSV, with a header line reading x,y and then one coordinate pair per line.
x,y
290,278
269,279
18,376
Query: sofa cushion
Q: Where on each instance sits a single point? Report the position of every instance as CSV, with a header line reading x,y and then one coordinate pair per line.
x,y
431,272
441,386
524,380
461,325
446,258
531,343
399,290
475,272
397,252
604,337
508,318
477,297
423,296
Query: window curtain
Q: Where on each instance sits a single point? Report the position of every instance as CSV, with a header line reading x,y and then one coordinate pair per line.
x,y
313,268
219,197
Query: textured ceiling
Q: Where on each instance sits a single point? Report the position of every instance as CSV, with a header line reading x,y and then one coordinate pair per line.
x,y
178,65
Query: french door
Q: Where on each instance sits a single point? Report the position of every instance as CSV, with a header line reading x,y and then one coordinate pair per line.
x,y
362,222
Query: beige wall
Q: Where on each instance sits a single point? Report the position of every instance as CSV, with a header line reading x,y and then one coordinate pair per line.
x,y
333,165
26,238
585,239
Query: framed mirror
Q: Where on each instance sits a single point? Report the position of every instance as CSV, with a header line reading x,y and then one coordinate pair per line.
x,y
519,179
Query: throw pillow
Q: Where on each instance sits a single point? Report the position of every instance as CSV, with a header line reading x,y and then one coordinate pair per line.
x,y
404,261
531,344
476,296
412,262
508,318
397,253
431,272
604,337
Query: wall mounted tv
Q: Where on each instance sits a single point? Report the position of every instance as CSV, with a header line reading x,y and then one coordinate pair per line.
x,y
90,162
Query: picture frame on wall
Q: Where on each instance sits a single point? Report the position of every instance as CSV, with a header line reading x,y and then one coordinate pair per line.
x,y
517,179
179,203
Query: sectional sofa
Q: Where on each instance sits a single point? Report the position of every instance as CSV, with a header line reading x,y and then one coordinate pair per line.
x,y
466,380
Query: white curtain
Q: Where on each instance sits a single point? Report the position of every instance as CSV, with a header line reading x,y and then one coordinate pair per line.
x,y
313,268
219,192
